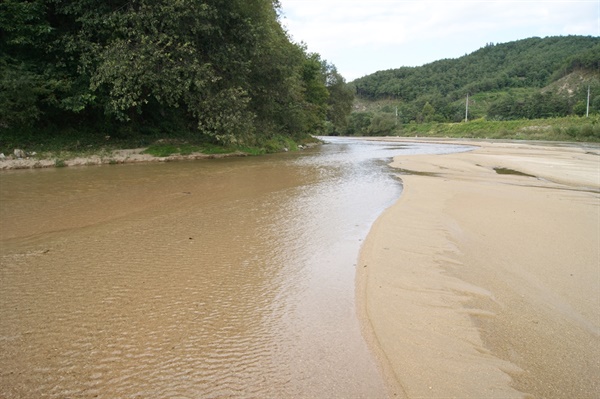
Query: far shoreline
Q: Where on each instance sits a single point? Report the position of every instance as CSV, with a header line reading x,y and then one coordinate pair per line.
x,y
102,156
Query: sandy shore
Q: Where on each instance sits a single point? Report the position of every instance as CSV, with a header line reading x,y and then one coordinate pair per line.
x,y
477,284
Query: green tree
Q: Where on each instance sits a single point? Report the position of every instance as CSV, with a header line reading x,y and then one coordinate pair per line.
x,y
428,112
359,123
340,100
226,69
316,94
528,65
382,124
26,71
502,108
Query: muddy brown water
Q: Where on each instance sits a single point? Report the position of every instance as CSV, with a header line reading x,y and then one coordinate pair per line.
x,y
204,279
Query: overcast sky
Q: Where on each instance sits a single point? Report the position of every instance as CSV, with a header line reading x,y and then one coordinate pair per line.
x,y
362,37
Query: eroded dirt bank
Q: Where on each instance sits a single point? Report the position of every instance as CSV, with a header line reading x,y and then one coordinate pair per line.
x,y
136,155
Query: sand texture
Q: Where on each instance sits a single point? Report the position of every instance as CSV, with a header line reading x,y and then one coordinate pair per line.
x,y
477,284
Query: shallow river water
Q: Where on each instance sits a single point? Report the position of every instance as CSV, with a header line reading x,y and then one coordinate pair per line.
x,y
203,279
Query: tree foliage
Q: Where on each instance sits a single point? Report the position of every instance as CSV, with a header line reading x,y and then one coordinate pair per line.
x,y
521,79
223,68
524,63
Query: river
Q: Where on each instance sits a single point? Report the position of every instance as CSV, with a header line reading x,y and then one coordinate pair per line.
x,y
213,278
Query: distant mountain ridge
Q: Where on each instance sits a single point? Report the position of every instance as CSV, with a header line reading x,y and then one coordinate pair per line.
x,y
502,78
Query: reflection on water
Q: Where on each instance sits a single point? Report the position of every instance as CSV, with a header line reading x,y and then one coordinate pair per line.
x,y
217,278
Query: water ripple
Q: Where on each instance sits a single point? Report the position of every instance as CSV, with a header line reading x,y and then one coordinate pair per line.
x,y
205,279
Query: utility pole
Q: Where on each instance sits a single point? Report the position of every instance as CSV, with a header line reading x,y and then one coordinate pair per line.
x,y
587,109
396,115
467,109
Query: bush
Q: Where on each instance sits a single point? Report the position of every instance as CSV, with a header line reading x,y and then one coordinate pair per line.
x,y
382,124
279,143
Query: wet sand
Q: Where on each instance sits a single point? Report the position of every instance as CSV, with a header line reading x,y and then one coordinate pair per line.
x,y
480,284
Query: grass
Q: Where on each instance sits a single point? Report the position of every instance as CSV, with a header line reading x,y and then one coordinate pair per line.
x,y
279,143
161,150
570,128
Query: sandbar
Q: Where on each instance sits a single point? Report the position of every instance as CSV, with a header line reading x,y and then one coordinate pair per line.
x,y
483,280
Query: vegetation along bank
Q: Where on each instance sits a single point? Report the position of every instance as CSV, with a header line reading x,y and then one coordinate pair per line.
x,y
86,74
87,77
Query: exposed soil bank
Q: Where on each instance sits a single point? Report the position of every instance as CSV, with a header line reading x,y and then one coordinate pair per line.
x,y
481,284
109,158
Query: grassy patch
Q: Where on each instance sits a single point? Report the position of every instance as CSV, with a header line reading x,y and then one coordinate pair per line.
x,y
279,143
161,150
571,128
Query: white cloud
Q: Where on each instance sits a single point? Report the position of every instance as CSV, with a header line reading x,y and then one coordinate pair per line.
x,y
345,32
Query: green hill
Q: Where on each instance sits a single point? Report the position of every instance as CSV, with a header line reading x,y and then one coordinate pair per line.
x,y
526,79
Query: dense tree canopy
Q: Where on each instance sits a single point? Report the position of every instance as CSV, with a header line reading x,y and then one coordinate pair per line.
x,y
524,63
223,68
523,79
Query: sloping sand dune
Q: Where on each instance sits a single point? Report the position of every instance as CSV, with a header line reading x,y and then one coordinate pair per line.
x,y
483,280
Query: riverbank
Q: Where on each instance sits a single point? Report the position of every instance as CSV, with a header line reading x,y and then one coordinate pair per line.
x,y
483,279
155,153
113,157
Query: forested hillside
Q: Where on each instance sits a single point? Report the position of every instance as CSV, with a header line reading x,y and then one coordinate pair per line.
x,y
221,70
525,79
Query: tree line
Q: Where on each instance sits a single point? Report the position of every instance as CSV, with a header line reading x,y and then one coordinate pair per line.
x,y
525,79
223,70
